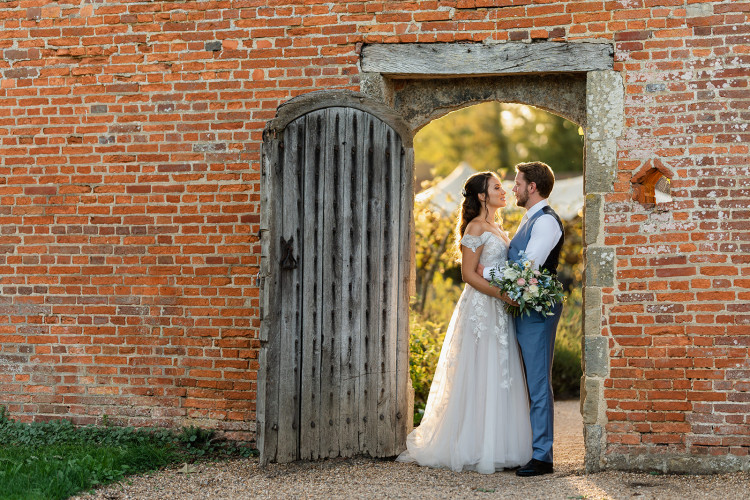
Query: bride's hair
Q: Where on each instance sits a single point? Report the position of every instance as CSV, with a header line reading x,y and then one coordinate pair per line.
x,y
472,206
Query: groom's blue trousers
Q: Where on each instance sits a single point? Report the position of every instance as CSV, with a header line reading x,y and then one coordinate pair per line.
x,y
536,337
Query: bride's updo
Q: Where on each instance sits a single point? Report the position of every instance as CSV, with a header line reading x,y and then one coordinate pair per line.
x,y
471,206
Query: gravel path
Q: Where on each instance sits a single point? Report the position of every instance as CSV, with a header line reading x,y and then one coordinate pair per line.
x,y
369,479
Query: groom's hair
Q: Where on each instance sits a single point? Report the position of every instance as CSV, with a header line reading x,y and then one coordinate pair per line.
x,y
540,174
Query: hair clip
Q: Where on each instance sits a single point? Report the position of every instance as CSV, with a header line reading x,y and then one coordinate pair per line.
x,y
464,193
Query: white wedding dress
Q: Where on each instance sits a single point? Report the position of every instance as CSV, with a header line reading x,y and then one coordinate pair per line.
x,y
477,414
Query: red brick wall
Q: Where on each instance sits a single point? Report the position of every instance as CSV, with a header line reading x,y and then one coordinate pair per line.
x,y
130,134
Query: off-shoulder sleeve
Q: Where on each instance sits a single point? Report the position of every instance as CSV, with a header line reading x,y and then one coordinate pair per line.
x,y
472,242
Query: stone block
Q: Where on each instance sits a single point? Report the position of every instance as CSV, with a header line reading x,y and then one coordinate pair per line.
x,y
600,171
376,86
421,100
590,399
213,46
699,10
675,463
592,214
592,438
596,356
599,266
592,311
604,105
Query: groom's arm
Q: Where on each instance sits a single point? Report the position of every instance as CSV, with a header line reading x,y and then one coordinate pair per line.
x,y
544,236
486,271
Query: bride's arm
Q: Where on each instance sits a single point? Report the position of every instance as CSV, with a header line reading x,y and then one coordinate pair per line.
x,y
469,263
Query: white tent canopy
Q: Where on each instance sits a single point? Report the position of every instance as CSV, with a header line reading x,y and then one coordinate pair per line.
x,y
566,198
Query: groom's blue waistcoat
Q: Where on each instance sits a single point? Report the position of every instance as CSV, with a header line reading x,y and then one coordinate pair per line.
x,y
521,240
536,337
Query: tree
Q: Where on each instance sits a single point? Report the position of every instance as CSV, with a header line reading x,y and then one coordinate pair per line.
x,y
495,136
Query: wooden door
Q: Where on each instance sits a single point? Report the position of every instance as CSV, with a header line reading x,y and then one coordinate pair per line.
x,y
337,204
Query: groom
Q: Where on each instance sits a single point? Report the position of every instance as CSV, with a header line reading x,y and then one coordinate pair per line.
x,y
540,235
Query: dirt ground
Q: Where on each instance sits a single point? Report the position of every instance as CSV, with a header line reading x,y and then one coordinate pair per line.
x,y
369,479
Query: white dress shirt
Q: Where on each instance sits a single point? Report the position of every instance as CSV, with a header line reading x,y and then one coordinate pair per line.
x,y
544,236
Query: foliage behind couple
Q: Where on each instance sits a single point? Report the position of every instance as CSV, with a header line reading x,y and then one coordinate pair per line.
x,y
438,283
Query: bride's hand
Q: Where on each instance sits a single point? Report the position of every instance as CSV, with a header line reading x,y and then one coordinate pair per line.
x,y
480,269
505,298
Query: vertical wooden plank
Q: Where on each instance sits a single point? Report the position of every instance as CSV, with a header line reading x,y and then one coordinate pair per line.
x,y
390,152
351,281
314,161
331,307
372,276
268,373
290,289
404,391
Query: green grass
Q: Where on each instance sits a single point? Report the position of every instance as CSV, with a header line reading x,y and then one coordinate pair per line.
x,y
54,460
59,471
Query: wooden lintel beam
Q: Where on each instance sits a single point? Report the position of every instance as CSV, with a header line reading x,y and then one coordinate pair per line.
x,y
477,59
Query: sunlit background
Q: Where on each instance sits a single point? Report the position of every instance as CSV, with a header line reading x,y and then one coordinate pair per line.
x,y
490,136
495,136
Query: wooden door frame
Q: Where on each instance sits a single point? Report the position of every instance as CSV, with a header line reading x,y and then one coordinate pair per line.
x,y
288,112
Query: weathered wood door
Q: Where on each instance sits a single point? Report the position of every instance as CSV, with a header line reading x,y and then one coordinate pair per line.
x,y
336,233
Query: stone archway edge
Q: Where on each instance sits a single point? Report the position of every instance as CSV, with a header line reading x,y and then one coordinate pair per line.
x,y
477,59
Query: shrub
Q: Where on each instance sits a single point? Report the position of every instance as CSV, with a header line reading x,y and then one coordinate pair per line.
x,y
566,368
55,459
424,350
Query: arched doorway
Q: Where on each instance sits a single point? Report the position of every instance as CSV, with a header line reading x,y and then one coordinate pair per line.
x,y
573,80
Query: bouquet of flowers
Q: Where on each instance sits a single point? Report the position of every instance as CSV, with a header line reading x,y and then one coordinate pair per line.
x,y
533,290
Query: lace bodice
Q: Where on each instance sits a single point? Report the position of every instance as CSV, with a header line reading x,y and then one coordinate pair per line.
x,y
495,251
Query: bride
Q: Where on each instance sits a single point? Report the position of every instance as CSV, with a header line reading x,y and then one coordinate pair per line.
x,y
477,414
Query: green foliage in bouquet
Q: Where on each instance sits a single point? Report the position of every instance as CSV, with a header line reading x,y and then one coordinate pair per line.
x,y
533,290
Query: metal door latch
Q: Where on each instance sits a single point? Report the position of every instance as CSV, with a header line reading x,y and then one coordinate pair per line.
x,y
288,261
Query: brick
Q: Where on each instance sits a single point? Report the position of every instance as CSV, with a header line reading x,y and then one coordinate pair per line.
x,y
130,204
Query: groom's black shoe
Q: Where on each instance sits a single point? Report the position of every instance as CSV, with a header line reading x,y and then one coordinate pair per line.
x,y
535,468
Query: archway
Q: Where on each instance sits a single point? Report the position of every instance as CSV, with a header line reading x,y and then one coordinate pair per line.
x,y
574,80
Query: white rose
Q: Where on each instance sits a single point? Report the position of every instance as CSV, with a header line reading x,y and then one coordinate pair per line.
x,y
534,291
